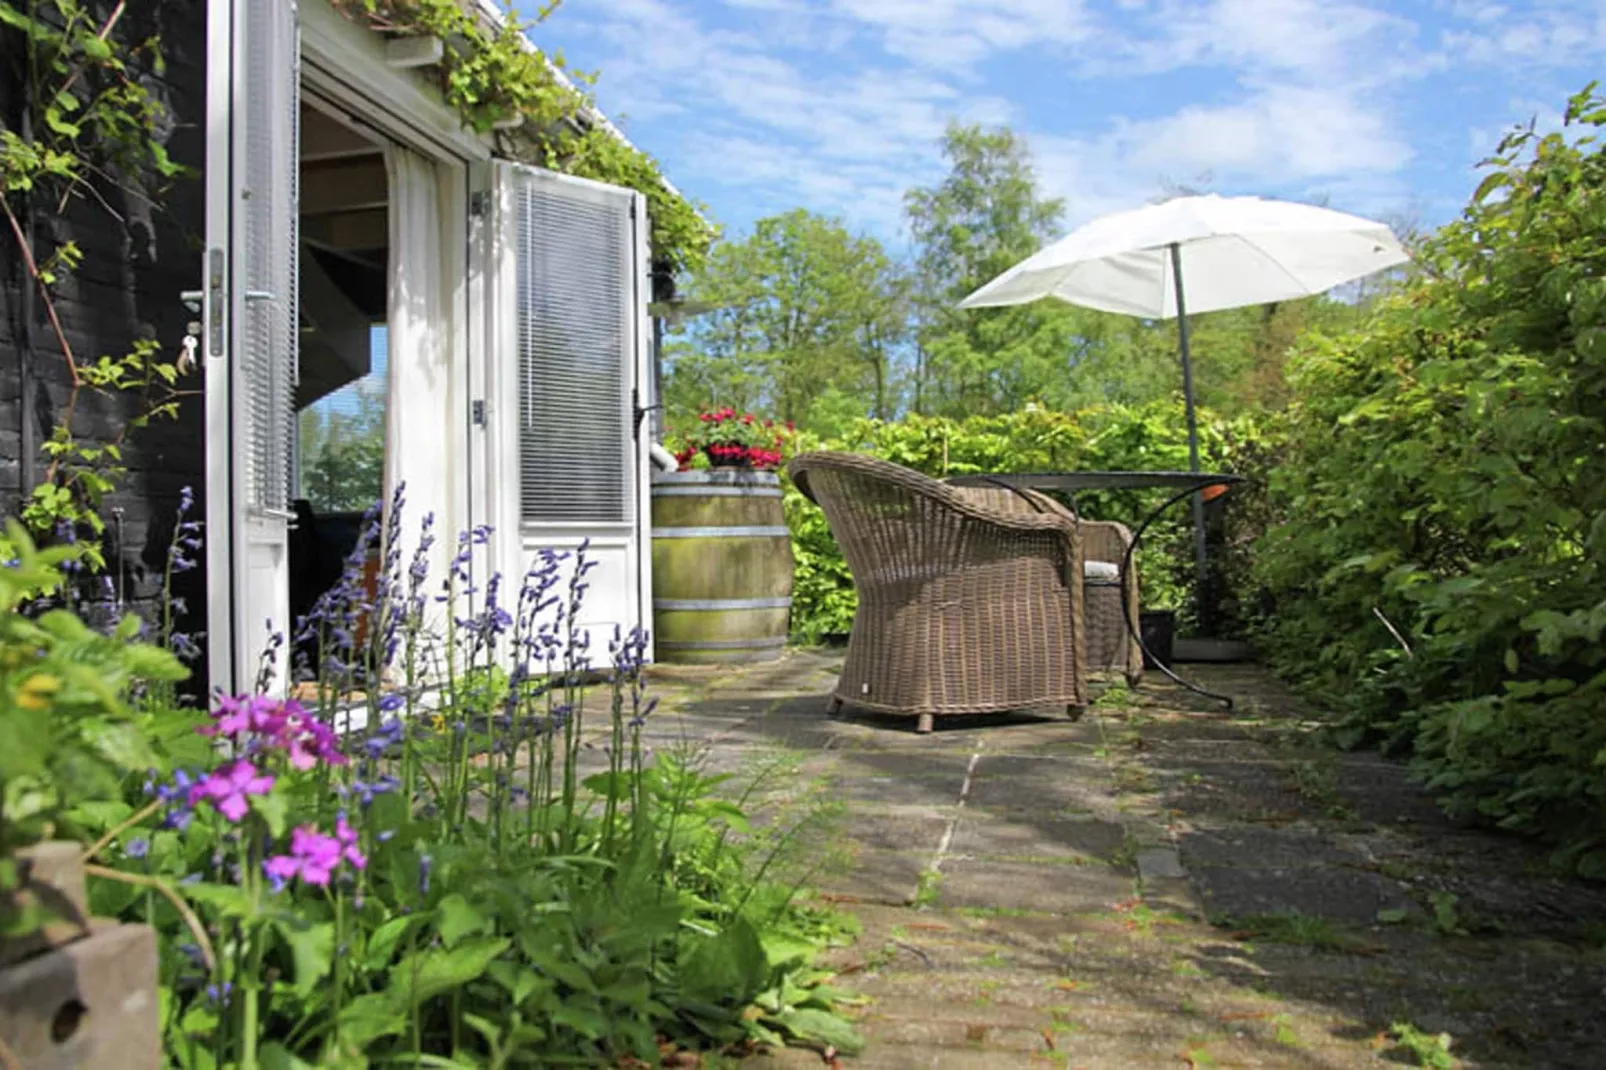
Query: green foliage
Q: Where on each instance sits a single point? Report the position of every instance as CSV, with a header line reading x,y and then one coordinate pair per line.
x,y
983,218
343,457
498,79
801,309
88,122
1120,437
67,731
819,326
492,903
1443,481
1428,1049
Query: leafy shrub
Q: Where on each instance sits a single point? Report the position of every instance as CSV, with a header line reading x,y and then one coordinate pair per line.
x,y
1152,436
1443,479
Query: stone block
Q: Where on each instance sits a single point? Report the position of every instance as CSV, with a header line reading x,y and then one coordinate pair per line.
x,y
89,1005
51,877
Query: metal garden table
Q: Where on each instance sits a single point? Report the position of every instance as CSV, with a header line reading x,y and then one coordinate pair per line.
x,y
1186,485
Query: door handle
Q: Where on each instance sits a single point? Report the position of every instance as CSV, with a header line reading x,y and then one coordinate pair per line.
x,y
214,301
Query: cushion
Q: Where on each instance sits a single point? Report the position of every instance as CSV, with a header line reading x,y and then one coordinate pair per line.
x,y
1106,571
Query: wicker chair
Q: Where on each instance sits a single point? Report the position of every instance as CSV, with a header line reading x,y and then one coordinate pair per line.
x,y
964,607
1107,632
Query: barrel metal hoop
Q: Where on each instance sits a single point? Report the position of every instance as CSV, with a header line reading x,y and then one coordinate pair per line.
x,y
761,531
716,604
723,644
713,490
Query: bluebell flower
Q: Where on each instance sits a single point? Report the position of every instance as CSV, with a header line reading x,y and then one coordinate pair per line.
x,y
367,790
387,736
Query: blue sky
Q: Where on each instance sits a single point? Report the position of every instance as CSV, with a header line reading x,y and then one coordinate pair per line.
x,y
1382,108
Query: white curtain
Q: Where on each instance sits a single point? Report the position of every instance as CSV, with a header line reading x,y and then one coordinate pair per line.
x,y
423,446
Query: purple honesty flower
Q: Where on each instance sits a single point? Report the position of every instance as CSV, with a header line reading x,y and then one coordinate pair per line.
x,y
314,856
228,788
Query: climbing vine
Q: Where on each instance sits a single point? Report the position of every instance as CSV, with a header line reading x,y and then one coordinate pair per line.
x,y
86,125
497,80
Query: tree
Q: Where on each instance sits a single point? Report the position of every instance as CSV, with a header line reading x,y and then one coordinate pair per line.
x,y
343,454
803,311
983,218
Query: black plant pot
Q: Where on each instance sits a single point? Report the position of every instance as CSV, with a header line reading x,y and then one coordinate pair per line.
x,y
1159,630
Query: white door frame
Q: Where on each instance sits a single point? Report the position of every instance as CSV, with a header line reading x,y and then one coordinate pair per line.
x,y
502,383
247,527
343,68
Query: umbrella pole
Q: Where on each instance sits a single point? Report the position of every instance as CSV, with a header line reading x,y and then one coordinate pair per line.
x,y
1193,431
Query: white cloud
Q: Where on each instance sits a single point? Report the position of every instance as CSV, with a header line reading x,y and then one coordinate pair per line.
x,y
838,104
954,33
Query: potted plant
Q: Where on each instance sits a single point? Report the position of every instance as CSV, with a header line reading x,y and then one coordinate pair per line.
x,y
729,439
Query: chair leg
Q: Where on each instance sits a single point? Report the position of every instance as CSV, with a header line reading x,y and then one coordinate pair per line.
x,y
925,724
833,705
1075,712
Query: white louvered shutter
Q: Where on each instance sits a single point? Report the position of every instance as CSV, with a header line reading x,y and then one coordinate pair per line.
x,y
268,340
576,350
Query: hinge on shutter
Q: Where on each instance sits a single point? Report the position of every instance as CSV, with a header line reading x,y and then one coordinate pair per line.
x,y
479,202
476,410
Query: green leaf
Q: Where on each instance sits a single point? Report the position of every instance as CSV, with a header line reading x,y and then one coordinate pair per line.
x,y
369,1017
276,1056
430,973
313,947
123,745
274,809
24,743
1392,916
728,969
808,1023
455,919
383,942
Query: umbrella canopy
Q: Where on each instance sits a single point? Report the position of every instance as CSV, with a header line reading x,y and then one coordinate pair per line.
x,y
1236,251
1198,254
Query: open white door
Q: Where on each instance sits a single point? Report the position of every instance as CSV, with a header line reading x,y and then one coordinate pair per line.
x,y
250,321
568,457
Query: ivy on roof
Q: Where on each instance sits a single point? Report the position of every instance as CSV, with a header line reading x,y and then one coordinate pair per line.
x,y
498,81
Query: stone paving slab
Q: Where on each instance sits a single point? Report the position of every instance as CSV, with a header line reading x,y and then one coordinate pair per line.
x,y
980,834
1034,891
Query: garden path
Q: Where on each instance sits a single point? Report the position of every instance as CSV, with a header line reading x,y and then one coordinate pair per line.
x,y
1034,891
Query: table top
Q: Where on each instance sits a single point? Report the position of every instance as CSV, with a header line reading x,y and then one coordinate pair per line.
x,y
1094,480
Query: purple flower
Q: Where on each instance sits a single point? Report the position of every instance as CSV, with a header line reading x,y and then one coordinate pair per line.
x,y
367,790
425,863
392,702
384,738
138,847
313,857
228,788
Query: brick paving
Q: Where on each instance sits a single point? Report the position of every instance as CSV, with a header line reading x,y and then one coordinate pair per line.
x,y
1163,883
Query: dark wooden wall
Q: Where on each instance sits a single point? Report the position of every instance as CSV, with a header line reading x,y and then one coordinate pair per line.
x,y
136,263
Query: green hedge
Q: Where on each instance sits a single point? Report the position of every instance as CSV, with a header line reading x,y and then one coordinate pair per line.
x,y
1445,476
1151,436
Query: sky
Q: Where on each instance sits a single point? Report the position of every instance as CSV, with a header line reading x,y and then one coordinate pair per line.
x,y
1383,108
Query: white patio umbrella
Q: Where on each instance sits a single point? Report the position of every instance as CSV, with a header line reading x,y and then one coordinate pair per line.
x,y
1237,251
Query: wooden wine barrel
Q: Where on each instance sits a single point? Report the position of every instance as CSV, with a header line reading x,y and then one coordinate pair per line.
x,y
721,567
